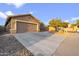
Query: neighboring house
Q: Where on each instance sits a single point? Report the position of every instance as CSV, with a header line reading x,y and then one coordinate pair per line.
x,y
76,28
71,29
51,28
22,23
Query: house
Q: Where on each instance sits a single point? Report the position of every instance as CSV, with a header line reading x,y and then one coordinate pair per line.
x,y
71,28
51,28
22,23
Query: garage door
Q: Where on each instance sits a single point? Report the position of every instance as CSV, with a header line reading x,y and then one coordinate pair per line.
x,y
26,27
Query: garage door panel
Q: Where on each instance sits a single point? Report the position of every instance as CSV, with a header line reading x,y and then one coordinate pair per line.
x,y
21,27
26,27
32,27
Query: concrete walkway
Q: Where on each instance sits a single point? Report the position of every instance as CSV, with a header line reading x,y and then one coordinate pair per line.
x,y
40,44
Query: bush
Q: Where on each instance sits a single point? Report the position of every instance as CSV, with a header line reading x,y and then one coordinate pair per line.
x,y
42,27
2,29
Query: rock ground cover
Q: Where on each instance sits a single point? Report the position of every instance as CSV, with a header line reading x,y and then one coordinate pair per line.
x,y
9,46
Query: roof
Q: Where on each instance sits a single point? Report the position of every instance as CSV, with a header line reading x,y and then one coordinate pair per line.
x,y
9,18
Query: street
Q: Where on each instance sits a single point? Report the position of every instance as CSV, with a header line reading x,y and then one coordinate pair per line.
x,y
70,45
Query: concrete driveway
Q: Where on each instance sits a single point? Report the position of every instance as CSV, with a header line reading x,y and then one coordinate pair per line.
x,y
40,44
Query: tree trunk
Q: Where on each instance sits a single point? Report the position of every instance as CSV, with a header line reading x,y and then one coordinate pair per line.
x,y
56,29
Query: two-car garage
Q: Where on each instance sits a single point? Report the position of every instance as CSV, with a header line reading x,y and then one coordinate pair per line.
x,y
26,27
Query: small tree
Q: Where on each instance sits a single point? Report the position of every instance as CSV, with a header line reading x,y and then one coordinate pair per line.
x,y
55,23
47,27
72,25
77,22
65,24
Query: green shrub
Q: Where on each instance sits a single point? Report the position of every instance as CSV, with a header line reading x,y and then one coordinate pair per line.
x,y
2,29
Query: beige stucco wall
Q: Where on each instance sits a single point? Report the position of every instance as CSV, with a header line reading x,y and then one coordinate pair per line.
x,y
13,26
51,28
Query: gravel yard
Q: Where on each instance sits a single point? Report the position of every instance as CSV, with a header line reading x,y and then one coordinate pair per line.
x,y
9,46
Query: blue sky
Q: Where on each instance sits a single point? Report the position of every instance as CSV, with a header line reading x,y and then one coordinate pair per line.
x,y
42,11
